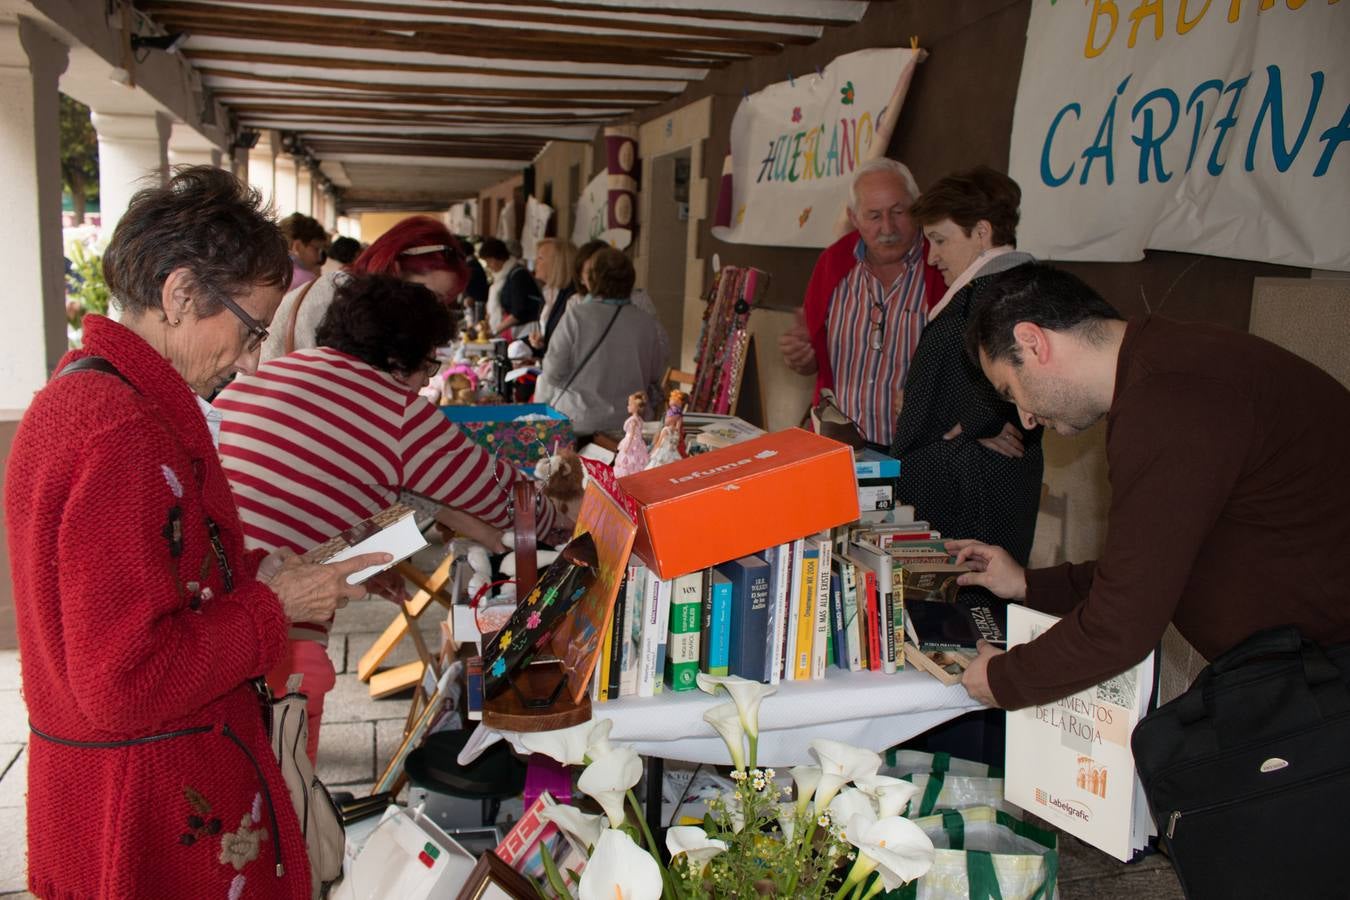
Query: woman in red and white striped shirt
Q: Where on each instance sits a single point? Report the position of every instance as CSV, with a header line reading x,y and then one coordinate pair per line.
x,y
323,438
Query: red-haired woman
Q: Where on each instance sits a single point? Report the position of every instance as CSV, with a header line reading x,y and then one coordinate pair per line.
x,y
418,249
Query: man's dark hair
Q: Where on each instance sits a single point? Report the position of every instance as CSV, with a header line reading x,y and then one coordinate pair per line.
x,y
393,325
1037,293
345,250
969,196
612,275
206,221
302,228
493,248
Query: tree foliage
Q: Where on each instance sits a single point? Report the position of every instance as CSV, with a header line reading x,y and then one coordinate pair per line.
x,y
79,155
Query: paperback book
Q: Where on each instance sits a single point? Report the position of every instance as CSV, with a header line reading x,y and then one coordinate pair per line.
x,y
1069,762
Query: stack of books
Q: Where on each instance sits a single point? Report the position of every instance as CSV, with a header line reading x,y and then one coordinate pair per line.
x,y
832,599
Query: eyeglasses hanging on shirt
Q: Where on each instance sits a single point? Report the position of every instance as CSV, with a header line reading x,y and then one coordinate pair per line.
x,y
878,324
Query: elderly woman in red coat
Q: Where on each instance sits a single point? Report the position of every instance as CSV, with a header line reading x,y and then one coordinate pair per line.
x,y
141,618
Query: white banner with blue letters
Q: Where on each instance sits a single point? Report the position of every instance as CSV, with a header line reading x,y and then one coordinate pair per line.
x,y
1219,127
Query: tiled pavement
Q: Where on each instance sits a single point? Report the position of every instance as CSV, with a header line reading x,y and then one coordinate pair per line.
x,y
359,734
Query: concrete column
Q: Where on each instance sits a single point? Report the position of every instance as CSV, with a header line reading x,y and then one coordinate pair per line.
x,y
261,167
239,164
285,185
194,157
330,216
34,334
133,154
304,191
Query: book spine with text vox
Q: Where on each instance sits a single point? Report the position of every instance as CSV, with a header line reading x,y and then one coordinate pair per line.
x,y
749,578
719,657
686,611
824,569
807,592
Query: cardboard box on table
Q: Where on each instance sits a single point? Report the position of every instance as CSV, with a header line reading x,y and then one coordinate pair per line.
x,y
521,444
732,502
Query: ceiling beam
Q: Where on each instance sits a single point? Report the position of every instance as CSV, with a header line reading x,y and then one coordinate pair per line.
x,y
635,96
742,14
330,62
615,18
232,93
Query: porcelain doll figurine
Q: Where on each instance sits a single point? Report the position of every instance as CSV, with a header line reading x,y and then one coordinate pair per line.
x,y
632,455
669,443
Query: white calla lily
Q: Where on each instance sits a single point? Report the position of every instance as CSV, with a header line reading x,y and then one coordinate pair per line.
x,y
840,763
896,847
619,870
892,794
694,843
806,778
727,722
746,694
569,746
787,820
581,829
608,779
849,804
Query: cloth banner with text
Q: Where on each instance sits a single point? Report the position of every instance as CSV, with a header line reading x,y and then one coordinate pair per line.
x,y
795,146
1211,128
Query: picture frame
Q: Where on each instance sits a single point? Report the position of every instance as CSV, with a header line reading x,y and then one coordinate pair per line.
x,y
494,879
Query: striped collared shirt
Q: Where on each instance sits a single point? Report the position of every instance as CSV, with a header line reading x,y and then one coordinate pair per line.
x,y
866,379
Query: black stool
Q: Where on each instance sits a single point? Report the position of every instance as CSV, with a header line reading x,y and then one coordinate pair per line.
x,y
494,776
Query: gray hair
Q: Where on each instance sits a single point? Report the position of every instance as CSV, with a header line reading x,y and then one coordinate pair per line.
x,y
883,164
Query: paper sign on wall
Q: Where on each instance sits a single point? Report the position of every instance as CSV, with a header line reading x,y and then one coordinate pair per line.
x,y
795,146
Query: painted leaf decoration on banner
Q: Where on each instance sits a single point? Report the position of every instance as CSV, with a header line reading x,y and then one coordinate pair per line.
x,y
801,220
846,93
796,114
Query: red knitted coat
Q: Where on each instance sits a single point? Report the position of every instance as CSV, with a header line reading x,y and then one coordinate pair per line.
x,y
117,642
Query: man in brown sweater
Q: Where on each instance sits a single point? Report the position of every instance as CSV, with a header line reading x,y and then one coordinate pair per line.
x,y
1230,507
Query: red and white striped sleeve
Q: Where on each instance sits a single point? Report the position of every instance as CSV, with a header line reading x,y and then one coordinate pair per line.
x,y
442,464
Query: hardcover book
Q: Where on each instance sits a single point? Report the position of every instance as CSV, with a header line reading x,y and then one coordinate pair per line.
x,y
392,530
1069,762
749,577
719,632
682,640
821,639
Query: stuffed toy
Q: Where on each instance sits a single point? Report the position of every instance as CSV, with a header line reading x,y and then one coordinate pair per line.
x,y
564,480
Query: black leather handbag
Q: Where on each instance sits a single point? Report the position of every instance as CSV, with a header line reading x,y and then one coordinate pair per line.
x,y
1248,772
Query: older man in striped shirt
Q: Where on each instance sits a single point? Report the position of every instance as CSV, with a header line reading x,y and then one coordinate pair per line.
x,y
867,302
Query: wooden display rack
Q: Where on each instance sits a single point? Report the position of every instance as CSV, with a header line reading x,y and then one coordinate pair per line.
x,y
537,701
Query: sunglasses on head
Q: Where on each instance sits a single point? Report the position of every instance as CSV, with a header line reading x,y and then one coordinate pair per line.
x,y
444,251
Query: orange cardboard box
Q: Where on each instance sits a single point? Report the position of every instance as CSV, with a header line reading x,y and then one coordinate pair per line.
x,y
731,502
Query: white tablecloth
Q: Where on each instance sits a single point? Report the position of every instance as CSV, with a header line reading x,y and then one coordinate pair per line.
x,y
866,709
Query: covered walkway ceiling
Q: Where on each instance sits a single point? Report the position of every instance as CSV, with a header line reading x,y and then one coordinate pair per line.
x,y
433,99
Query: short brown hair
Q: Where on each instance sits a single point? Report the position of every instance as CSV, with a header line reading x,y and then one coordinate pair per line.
x,y
612,275
206,221
302,228
969,196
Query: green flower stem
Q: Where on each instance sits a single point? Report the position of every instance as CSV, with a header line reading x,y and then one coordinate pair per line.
x,y
754,748
873,890
667,887
806,843
555,879
857,877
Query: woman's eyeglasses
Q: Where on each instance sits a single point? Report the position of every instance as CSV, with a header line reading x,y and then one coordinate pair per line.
x,y
431,366
256,332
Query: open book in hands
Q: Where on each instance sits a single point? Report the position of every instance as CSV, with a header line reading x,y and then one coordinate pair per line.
x,y
392,530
